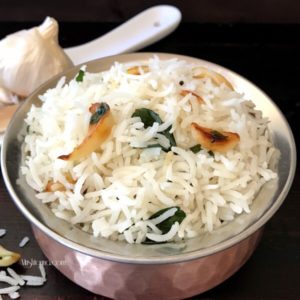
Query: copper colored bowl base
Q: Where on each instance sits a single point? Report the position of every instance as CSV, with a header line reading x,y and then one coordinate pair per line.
x,y
144,281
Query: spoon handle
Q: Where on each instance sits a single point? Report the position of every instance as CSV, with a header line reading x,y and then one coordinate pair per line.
x,y
142,30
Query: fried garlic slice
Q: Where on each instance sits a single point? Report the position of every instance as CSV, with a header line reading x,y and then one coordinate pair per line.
x,y
100,128
217,78
136,70
53,186
186,92
7,258
213,140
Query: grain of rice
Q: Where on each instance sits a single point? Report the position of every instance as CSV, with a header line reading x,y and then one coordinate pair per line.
x,y
14,275
33,280
8,279
169,213
164,237
2,232
42,270
24,241
16,281
8,290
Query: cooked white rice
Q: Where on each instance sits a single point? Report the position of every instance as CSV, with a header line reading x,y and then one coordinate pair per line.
x,y
121,185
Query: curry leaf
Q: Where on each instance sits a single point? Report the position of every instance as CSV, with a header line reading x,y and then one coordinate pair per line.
x,y
166,225
169,136
149,117
154,146
211,153
150,242
80,76
195,149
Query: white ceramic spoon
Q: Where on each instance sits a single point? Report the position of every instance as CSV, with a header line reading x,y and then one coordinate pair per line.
x,y
142,30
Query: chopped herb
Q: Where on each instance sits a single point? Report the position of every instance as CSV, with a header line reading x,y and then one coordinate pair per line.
x,y
195,149
169,136
149,117
150,242
99,113
166,225
154,146
217,136
211,153
80,75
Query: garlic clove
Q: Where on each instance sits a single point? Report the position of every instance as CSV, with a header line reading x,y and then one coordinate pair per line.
x,y
28,58
7,257
97,134
217,78
214,140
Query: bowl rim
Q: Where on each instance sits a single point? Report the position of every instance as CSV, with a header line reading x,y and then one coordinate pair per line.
x,y
150,260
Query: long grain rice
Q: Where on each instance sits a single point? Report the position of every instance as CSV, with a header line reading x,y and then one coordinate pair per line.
x,y
118,187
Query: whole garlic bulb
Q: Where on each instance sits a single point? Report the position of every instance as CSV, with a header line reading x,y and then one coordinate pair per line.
x,y
28,58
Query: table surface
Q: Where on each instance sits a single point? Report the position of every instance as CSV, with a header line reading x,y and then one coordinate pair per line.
x,y
269,56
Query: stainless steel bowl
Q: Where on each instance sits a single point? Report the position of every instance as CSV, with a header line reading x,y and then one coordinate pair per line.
x,y
167,271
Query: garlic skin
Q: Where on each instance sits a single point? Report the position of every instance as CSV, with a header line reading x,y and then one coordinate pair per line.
x,y
29,58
